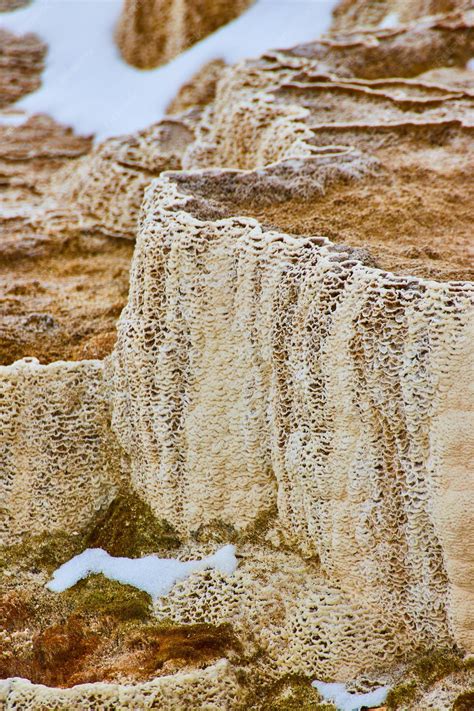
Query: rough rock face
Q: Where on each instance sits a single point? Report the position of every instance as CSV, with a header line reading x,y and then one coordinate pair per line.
x,y
371,13
21,63
151,32
291,374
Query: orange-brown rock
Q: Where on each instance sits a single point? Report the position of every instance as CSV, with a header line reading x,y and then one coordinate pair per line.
x,y
349,14
21,64
7,5
151,32
291,375
83,640
60,298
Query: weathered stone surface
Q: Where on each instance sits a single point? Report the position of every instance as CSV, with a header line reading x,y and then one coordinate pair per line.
x,y
21,63
370,14
292,369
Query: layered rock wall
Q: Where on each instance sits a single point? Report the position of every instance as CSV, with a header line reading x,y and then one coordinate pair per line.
x,y
270,384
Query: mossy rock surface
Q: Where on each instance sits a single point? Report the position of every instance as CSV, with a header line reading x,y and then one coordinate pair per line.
x,y
464,702
291,693
127,527
97,595
425,671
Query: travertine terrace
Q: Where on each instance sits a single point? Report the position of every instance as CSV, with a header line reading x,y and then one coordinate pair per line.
x,y
251,322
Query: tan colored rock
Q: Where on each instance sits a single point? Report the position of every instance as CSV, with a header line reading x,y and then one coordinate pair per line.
x,y
54,484
341,460
151,32
292,365
215,687
21,63
200,90
350,14
104,191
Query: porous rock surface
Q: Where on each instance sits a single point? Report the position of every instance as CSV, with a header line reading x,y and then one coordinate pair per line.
x,y
292,367
21,64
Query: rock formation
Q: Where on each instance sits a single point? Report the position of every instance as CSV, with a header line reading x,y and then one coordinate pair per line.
x,y
201,90
151,32
291,374
349,14
21,64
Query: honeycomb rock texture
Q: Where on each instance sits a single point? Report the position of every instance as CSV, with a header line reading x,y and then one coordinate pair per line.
x,y
268,326
257,315
70,468
213,688
151,32
103,192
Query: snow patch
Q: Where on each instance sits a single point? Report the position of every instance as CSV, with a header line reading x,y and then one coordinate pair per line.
x,y
153,575
88,86
12,118
345,701
390,21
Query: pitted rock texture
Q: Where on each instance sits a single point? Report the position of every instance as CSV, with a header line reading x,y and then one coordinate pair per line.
x,y
370,14
151,32
21,64
215,687
292,368
72,464
270,322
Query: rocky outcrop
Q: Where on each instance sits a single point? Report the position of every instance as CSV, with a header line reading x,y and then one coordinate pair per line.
x,y
151,32
370,14
21,64
291,372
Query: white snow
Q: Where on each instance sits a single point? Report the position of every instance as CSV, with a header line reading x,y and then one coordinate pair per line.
x,y
345,701
390,21
88,86
12,118
154,575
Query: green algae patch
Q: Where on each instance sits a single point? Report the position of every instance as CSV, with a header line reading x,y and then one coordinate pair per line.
x,y
221,532
44,552
155,644
216,531
402,695
436,665
464,702
126,527
291,693
129,528
256,531
425,671
99,596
